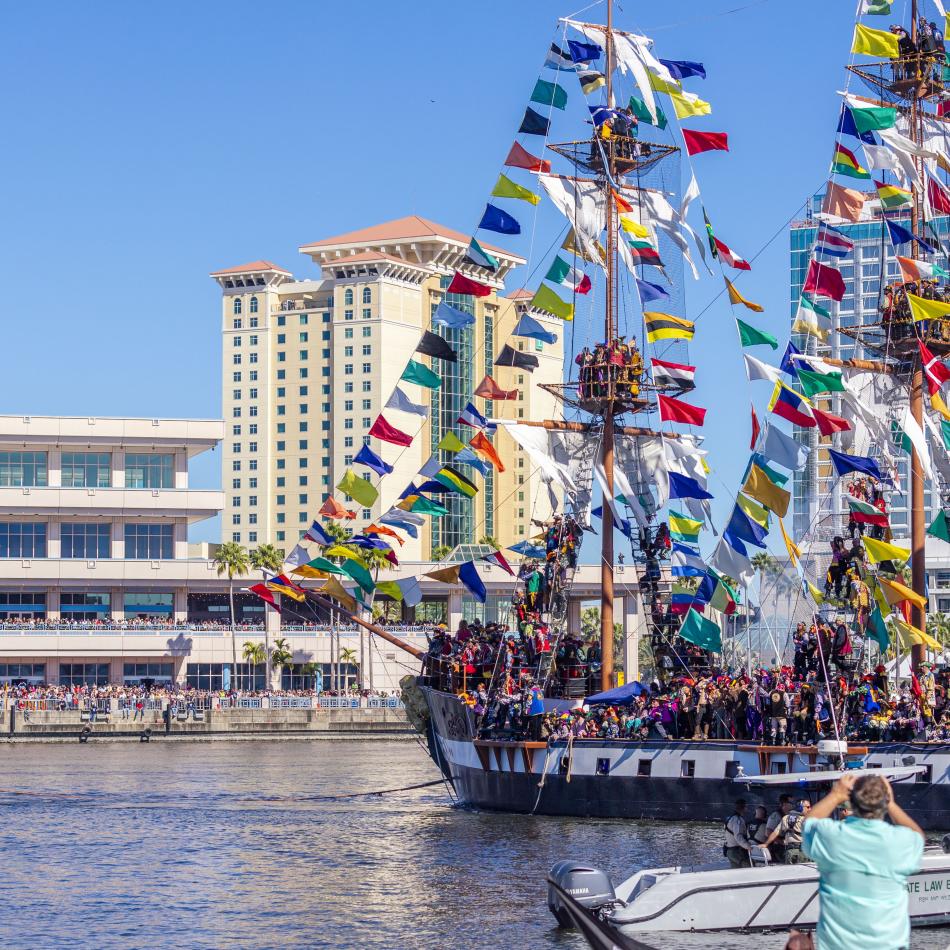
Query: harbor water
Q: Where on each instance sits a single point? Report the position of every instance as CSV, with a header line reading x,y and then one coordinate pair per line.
x,y
241,844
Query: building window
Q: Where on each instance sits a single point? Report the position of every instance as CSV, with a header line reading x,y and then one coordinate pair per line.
x,y
367,422
304,337
251,483
150,471
252,358
347,423
281,338
367,331
252,322
235,519
236,359
347,333
235,341
237,324
22,539
367,368
235,483
347,314
281,321
235,430
23,469
253,305
87,469
367,403
367,386
91,541
149,542
252,535
347,351
237,305
367,349
347,369
367,313
367,295
236,536
252,410
236,377
348,443
86,674
304,354
348,297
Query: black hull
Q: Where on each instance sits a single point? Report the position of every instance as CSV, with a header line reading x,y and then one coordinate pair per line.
x,y
638,797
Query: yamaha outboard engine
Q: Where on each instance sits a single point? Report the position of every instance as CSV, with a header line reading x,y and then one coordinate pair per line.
x,y
592,889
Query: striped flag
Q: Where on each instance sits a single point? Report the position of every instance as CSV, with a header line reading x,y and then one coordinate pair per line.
x,y
472,417
830,242
562,273
664,326
914,270
680,375
724,252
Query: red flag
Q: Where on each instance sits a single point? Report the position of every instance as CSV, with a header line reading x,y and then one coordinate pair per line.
x,y
756,429
496,557
828,423
697,142
383,430
936,372
482,445
937,196
824,280
333,509
391,556
675,410
520,158
489,389
465,285
261,591
730,256
915,686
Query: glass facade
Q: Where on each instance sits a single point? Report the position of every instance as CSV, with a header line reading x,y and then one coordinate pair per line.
x,y
134,673
23,470
448,401
217,676
148,606
819,507
149,542
149,471
86,469
23,673
22,539
83,605
18,604
92,540
83,674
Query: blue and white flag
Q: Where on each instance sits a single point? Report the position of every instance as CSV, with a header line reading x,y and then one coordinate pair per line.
x,y
472,417
452,317
316,532
399,400
650,291
687,562
366,456
530,328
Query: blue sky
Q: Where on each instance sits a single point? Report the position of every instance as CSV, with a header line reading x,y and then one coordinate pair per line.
x,y
147,147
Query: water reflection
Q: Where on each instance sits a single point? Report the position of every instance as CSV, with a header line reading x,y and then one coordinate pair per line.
x,y
202,845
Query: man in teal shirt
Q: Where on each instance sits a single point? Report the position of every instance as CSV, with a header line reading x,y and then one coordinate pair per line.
x,y
864,863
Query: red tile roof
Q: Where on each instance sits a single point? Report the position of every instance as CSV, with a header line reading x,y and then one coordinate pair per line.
x,y
253,267
401,229
364,257
520,295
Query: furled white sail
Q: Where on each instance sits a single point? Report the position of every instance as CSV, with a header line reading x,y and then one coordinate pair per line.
x,y
584,205
576,451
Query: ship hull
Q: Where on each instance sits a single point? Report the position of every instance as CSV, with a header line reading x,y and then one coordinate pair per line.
x,y
665,780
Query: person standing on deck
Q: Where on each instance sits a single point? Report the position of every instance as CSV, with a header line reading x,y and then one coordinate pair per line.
x,y
863,863
737,845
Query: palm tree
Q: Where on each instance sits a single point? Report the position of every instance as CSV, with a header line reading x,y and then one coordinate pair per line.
x,y
282,656
441,552
310,669
268,559
254,654
231,559
340,533
348,655
490,540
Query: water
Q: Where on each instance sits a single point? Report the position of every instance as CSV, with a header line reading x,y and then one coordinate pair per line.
x,y
205,845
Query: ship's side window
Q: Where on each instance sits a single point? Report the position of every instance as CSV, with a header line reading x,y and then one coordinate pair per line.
x,y
644,767
603,766
564,764
927,776
779,768
732,768
687,768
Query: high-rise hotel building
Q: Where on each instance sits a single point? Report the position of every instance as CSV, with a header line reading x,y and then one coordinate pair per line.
x,y
308,364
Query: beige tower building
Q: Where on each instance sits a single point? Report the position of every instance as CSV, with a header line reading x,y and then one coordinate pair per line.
x,y
308,365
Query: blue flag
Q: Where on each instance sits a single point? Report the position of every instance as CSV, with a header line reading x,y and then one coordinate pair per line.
x,y
682,486
468,457
469,577
366,456
494,219
898,233
452,317
533,123
316,532
847,127
601,114
743,527
394,521
583,52
681,68
788,365
650,291
527,549
856,463
529,327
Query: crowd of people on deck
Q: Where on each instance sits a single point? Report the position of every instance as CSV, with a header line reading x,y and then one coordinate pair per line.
x,y
923,59
610,369
896,315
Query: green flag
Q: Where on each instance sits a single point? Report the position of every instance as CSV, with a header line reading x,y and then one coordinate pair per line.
x,y
322,564
359,574
814,383
641,111
558,270
877,629
704,633
777,477
506,188
900,438
451,443
808,304
873,118
358,489
752,337
426,506
415,372
940,527
549,94
945,433
389,589
724,599
876,7
547,300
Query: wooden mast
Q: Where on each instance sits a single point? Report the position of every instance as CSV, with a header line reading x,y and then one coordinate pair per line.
x,y
607,443
918,523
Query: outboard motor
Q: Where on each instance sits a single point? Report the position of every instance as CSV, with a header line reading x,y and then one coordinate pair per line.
x,y
592,889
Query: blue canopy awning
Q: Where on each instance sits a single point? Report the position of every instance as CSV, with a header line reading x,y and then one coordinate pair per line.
x,y
618,695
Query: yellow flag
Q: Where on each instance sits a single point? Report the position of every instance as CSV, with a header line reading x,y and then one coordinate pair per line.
x,y
447,575
390,589
816,595
763,489
882,551
754,510
358,489
794,551
506,188
333,588
874,42
338,550
451,443
660,84
808,323
924,309
305,570
735,297
687,104
634,227
938,405
914,636
895,592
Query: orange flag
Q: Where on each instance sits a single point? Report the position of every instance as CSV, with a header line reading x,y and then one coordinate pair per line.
x,y
483,446
333,509
843,202
735,297
489,389
382,529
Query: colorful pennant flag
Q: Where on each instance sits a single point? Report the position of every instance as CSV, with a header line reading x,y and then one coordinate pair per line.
x,y
843,464
519,157
788,404
416,372
506,188
530,328
936,372
489,389
923,309
814,383
640,110
913,271
436,346
382,430
590,80
331,508
702,632
824,280
454,480
831,242
399,400
736,298
533,123
726,254
496,557
558,59
680,375
472,417
481,444
845,162
366,456
698,142
828,423
583,52
649,292
448,316
750,336
688,104
760,487
861,512
478,256
560,272
664,326
547,300
675,410
493,219
683,528
893,197
549,94
360,490
466,286
878,551
468,575
450,442
874,42
509,356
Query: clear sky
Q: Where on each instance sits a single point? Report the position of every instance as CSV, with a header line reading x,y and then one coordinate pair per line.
x,y
147,146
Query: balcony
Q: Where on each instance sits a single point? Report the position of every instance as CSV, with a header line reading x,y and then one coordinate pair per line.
x,y
191,503
196,574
